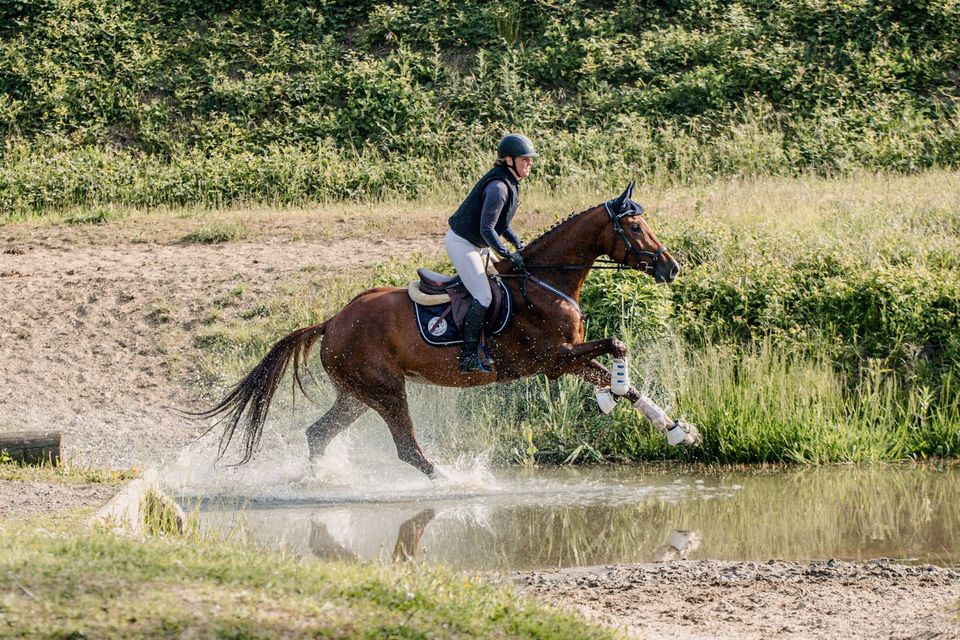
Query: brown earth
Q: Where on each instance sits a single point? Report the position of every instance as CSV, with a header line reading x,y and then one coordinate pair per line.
x,y
747,600
98,319
22,499
96,343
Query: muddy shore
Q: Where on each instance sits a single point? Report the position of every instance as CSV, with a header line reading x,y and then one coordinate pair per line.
x,y
746,600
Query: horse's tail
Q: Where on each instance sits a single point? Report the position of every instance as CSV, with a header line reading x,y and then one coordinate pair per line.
x,y
252,395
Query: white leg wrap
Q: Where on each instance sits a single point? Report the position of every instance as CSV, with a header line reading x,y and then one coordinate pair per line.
x,y
654,414
620,376
677,433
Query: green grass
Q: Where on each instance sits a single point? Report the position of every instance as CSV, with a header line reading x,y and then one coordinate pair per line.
x,y
58,580
95,216
813,321
216,233
64,473
762,404
154,103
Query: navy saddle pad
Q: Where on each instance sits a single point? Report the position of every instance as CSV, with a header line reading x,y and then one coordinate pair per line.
x,y
435,322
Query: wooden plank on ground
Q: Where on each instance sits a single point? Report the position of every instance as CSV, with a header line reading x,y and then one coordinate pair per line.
x,y
32,447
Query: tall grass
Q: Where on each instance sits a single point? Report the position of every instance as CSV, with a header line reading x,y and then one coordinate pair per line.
x,y
759,404
813,320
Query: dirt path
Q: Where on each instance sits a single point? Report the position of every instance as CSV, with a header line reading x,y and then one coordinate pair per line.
x,y
19,499
82,349
746,600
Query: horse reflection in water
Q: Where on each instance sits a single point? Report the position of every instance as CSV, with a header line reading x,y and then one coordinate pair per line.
x,y
680,544
371,348
406,549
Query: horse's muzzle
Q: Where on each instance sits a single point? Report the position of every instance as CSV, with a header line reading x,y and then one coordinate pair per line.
x,y
666,271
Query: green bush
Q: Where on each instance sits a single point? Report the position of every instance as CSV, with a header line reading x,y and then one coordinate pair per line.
x,y
217,103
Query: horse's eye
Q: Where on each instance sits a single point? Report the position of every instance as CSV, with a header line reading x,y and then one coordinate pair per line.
x,y
635,227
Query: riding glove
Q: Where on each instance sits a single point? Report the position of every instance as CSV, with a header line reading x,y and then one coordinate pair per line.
x,y
517,261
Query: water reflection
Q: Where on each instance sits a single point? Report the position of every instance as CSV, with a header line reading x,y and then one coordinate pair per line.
x,y
407,548
679,545
555,518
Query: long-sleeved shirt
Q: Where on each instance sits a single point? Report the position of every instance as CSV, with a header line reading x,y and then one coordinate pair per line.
x,y
494,197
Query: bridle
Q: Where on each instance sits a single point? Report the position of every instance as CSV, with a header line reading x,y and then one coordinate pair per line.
x,y
648,259
641,256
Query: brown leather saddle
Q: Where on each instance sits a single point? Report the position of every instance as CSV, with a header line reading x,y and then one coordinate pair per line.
x,y
433,283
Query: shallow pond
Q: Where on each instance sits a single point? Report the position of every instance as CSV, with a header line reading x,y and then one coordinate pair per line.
x,y
544,518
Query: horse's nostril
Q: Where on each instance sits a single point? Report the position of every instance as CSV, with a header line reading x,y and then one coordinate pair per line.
x,y
673,272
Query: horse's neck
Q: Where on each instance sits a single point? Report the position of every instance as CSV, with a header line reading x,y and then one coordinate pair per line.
x,y
578,241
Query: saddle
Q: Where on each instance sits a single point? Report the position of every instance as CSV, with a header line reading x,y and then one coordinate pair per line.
x,y
441,303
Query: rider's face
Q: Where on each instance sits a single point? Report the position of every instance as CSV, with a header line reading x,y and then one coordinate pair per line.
x,y
522,166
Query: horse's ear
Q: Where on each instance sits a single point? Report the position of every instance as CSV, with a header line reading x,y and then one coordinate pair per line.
x,y
620,202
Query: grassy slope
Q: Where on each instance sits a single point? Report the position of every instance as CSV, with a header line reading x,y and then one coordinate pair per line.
x,y
58,580
186,102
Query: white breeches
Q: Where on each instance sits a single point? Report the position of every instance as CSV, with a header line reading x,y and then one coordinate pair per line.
x,y
469,261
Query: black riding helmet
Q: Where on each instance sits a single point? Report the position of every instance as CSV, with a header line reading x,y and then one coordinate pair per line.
x,y
516,145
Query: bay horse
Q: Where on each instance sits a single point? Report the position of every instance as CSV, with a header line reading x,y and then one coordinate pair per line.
x,y
371,348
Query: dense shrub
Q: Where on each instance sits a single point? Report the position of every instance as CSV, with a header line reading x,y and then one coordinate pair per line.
x,y
672,91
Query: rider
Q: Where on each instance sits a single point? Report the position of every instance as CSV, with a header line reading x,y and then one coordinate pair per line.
x,y
477,225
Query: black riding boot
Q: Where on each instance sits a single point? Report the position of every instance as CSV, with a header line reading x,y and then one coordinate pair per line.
x,y
472,324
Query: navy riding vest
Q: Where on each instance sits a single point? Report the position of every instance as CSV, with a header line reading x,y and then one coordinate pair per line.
x,y
466,221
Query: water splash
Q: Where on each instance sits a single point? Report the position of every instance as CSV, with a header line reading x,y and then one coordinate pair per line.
x,y
359,465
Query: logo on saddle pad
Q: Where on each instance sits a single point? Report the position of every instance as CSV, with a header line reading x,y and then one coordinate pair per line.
x,y
437,326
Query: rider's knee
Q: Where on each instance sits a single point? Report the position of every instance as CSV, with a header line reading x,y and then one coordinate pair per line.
x,y
485,298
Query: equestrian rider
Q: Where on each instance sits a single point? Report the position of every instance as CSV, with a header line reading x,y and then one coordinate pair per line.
x,y
476,227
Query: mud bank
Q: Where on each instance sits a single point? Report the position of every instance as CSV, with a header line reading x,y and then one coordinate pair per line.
x,y
745,600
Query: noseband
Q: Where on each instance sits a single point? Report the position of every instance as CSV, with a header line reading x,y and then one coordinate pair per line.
x,y
640,254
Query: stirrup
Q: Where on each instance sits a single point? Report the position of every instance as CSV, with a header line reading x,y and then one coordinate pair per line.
x,y
469,362
474,361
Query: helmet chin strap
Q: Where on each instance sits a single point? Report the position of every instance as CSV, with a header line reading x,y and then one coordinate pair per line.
x,y
512,166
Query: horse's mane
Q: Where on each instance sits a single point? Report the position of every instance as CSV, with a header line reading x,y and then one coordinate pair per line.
x,y
557,225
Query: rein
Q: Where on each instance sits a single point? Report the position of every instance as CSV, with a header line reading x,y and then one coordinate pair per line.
x,y
570,267
543,284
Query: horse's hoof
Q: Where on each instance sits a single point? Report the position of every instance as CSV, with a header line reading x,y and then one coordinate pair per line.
x,y
438,476
683,433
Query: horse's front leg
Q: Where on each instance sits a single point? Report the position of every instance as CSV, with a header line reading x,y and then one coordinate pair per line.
x,y
678,432
574,357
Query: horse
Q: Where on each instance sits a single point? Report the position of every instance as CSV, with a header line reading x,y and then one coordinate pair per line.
x,y
371,347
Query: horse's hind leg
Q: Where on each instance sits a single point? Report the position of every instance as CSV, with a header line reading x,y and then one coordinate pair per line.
x,y
390,401
345,410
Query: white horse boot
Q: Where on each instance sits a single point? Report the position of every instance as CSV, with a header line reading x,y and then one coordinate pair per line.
x,y
677,432
620,377
605,400
681,432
